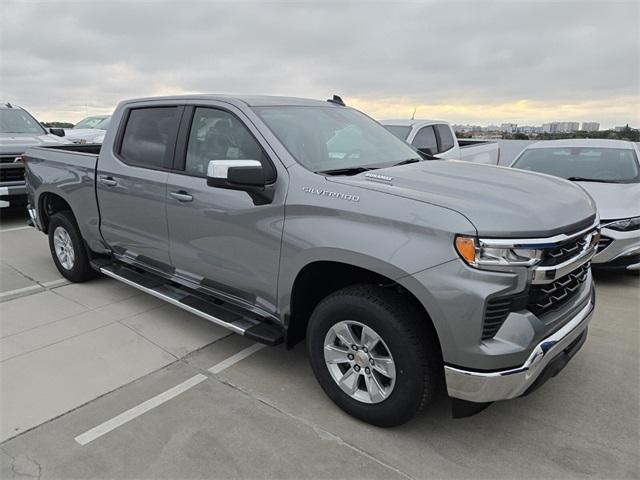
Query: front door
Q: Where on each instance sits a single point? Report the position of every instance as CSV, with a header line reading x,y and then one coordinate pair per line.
x,y
132,185
220,238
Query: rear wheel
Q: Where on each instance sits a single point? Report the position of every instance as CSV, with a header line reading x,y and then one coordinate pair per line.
x,y
373,354
67,248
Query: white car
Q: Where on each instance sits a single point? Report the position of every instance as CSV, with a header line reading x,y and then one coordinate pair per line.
x,y
437,138
89,130
609,171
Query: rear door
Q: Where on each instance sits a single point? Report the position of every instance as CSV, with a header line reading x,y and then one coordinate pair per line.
x,y
221,239
132,184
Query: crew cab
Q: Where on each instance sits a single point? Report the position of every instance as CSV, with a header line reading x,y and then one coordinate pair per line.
x,y
19,131
437,138
283,219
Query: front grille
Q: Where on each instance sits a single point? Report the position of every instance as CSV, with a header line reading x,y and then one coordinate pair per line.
x,y
564,252
12,174
603,243
550,296
8,158
539,299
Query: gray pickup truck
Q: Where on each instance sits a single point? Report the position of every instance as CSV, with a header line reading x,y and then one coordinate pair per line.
x,y
284,219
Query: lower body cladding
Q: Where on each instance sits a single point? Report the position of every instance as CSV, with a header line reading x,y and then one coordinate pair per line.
x,y
485,361
13,195
618,250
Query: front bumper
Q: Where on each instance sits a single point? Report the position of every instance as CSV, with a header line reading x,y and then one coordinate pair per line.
x,y
483,387
13,195
622,251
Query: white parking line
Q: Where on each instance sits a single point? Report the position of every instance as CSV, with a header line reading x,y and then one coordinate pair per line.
x,y
13,229
233,359
163,397
138,410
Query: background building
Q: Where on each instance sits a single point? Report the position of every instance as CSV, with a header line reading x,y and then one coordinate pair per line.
x,y
590,126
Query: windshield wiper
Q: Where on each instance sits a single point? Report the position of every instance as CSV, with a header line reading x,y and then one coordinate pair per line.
x,y
582,179
407,161
345,171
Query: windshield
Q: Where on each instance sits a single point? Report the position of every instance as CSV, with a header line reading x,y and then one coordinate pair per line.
x,y
607,165
15,120
89,122
104,124
330,138
399,131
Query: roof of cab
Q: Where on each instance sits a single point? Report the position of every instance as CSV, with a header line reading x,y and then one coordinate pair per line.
x,y
582,142
410,123
250,100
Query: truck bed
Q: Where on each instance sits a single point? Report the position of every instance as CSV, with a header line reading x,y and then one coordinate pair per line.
x,y
479,151
70,174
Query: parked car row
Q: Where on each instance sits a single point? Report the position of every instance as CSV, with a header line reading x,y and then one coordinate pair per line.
x,y
606,169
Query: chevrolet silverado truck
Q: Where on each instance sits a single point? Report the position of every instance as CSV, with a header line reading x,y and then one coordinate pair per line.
x,y
283,219
437,138
18,132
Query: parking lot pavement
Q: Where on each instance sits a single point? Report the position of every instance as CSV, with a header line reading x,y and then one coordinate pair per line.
x,y
150,391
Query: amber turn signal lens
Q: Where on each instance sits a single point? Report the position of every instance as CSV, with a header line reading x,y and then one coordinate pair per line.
x,y
466,247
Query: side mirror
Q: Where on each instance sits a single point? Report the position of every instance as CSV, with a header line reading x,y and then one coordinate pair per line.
x,y
57,131
244,175
426,150
235,174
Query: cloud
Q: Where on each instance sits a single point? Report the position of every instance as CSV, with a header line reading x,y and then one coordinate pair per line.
x,y
474,61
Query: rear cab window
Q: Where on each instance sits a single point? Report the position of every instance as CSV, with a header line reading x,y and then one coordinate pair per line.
x,y
149,136
445,136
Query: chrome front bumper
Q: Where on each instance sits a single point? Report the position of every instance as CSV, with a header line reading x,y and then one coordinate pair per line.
x,y
482,387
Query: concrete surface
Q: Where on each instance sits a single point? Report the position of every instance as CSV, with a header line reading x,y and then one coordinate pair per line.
x,y
75,356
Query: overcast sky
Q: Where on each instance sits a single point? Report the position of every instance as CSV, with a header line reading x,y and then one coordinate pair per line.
x,y
467,62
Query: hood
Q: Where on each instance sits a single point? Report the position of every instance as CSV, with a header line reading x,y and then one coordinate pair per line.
x,y
498,201
86,134
615,200
17,143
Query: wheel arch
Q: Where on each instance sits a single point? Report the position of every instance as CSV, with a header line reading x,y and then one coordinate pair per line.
x,y
318,279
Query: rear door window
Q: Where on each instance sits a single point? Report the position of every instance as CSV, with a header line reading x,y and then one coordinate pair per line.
x,y
426,138
446,137
149,137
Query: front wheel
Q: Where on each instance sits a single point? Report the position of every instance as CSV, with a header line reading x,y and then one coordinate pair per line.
x,y
67,248
373,354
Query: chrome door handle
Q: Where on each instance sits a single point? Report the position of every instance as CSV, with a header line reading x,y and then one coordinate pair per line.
x,y
108,181
182,196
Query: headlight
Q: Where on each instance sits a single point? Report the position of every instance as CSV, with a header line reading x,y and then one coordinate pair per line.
x,y
479,253
624,225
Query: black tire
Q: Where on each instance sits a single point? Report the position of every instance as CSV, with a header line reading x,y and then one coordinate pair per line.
x,y
409,338
81,270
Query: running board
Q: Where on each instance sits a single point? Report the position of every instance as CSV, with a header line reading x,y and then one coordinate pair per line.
x,y
207,308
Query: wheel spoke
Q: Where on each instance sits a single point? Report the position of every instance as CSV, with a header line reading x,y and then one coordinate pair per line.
x,y
349,381
385,366
333,354
343,332
369,338
375,390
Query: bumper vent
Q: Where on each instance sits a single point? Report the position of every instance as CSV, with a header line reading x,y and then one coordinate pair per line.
x,y
603,243
494,316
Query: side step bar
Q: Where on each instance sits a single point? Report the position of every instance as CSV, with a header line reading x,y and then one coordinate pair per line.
x,y
207,308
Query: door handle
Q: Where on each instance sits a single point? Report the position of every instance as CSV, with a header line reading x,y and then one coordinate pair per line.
x,y
182,196
108,181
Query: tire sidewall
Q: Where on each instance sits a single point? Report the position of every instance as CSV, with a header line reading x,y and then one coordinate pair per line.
x,y
406,397
81,270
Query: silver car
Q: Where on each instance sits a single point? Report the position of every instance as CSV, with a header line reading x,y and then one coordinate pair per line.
x,y
609,171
